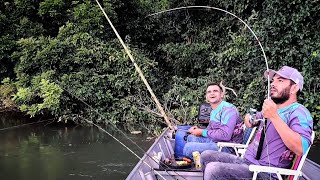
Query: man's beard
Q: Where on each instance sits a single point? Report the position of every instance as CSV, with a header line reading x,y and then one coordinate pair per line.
x,y
283,96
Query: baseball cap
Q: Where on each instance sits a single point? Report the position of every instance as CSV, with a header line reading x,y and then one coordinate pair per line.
x,y
288,73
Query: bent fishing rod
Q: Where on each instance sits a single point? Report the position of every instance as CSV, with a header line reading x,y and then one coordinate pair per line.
x,y
227,12
255,36
167,120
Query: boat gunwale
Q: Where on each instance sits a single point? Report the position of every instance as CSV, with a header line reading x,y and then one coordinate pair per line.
x,y
147,154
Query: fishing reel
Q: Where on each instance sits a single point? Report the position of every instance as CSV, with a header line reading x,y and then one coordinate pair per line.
x,y
253,117
252,113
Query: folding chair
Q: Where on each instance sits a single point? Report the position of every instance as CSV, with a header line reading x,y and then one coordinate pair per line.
x,y
293,173
240,149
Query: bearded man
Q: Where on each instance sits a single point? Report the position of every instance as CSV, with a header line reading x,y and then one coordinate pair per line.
x,y
286,131
224,120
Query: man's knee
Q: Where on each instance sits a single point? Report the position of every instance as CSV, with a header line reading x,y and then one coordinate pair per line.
x,y
189,148
220,170
208,156
213,170
192,138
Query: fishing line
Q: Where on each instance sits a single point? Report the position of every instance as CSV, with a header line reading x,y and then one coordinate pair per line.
x,y
98,113
265,129
118,141
90,122
25,124
136,154
260,45
225,11
167,120
179,8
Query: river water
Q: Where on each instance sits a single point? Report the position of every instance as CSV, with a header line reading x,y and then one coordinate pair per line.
x,y
47,151
51,151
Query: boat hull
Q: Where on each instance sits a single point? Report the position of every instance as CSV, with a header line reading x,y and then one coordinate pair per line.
x,y
148,166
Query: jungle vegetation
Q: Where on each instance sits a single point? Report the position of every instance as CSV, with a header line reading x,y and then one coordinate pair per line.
x,y
57,54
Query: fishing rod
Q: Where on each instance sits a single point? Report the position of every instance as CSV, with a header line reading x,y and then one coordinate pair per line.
x,y
155,99
168,122
227,12
255,36
99,127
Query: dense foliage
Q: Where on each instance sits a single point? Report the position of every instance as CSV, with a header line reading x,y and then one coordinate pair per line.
x,y
62,57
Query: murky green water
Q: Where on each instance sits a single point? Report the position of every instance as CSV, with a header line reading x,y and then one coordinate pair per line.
x,y
47,151
50,152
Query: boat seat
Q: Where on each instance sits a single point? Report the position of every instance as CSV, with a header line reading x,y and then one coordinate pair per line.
x,y
240,148
293,173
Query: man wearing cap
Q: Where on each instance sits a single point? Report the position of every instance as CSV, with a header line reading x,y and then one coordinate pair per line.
x,y
284,129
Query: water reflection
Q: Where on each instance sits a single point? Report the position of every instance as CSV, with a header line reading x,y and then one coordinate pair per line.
x,y
47,151
50,152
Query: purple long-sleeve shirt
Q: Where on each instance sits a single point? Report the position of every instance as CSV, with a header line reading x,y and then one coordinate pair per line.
x,y
224,125
299,119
